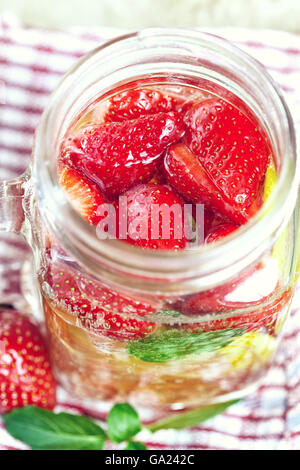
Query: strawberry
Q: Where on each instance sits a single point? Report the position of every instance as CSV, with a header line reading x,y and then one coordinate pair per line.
x,y
132,104
233,150
215,300
84,195
25,373
249,293
220,231
184,172
224,163
98,308
158,177
119,155
253,320
145,229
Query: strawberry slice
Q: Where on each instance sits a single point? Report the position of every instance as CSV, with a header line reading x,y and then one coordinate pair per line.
x,y
132,104
234,152
185,173
119,155
25,373
99,309
84,195
250,290
153,213
220,231
256,284
262,317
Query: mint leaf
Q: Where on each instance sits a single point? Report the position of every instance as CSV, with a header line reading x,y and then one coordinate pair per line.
x,y
175,344
135,445
168,313
190,418
42,429
123,422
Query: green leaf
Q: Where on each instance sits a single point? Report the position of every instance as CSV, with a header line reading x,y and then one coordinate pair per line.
x,y
135,445
168,313
175,344
190,418
123,422
42,429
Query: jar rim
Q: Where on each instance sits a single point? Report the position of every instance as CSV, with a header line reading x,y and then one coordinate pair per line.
x,y
192,269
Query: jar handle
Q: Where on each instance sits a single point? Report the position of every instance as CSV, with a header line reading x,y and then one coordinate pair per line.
x,y
12,215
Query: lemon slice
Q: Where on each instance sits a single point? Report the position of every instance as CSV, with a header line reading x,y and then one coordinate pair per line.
x,y
280,249
270,181
253,349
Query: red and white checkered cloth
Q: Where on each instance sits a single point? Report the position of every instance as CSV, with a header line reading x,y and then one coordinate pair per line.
x,y
31,63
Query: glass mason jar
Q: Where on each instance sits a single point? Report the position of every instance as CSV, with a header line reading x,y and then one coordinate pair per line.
x,y
214,314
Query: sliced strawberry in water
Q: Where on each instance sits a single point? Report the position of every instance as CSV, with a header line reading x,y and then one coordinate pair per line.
x,y
133,104
155,217
119,155
233,150
186,174
220,231
158,177
260,317
245,289
84,195
98,308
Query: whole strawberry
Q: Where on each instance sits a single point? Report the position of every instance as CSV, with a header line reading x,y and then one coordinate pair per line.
x,y
25,373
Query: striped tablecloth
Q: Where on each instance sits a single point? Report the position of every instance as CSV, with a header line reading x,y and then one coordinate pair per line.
x,y
31,63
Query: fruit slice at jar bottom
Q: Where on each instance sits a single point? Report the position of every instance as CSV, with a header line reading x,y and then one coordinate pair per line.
x,y
103,311
160,381
252,349
232,368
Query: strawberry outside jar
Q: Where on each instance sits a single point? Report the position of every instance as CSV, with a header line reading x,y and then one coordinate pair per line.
x,y
164,330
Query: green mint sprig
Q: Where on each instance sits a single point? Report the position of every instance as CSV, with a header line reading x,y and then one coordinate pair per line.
x,y
44,430
123,423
